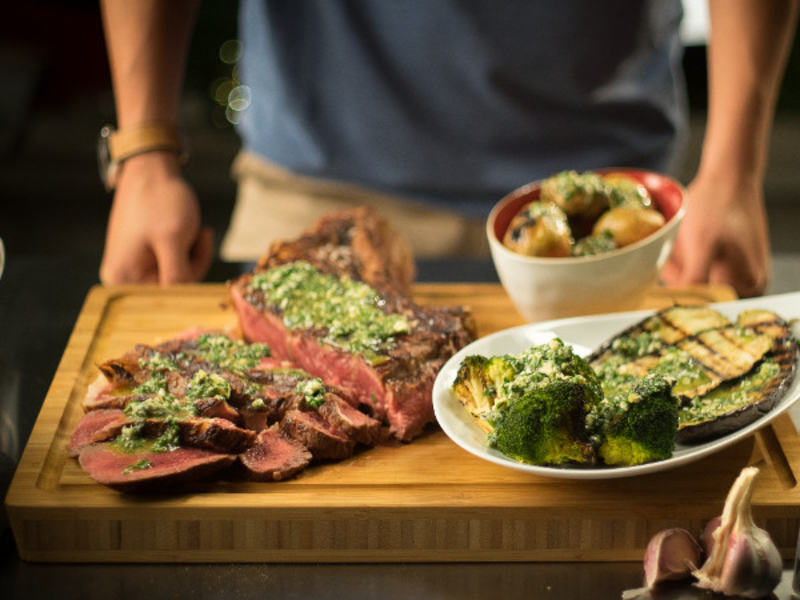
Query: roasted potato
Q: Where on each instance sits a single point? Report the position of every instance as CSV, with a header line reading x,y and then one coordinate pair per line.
x,y
577,194
539,229
624,190
627,225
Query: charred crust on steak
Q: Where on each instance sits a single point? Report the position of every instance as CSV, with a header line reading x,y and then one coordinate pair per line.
x,y
355,242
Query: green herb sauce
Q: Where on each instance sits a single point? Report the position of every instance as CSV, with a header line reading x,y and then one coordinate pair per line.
x,y
313,392
156,401
348,313
130,440
140,465
215,348
730,396
233,355
208,385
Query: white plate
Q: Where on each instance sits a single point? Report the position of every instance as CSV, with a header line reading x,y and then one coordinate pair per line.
x,y
585,334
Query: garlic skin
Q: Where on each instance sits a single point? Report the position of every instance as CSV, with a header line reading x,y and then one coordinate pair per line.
x,y
743,560
707,537
671,555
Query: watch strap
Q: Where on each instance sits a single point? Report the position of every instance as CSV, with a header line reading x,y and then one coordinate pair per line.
x,y
124,143
114,147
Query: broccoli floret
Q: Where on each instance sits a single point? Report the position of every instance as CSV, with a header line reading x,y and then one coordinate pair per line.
x,y
637,423
498,373
480,382
554,361
545,426
469,385
541,417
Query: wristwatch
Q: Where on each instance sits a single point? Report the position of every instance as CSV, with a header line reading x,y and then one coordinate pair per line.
x,y
114,147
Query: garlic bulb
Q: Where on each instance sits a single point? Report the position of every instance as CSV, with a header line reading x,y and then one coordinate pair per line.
x,y
743,559
672,554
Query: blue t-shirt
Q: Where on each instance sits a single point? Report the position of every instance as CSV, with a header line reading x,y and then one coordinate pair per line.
x,y
457,102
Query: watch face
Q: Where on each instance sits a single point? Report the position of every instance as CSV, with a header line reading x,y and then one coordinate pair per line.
x,y
105,165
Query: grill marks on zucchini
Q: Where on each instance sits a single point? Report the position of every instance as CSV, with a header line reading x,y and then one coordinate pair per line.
x,y
741,401
725,374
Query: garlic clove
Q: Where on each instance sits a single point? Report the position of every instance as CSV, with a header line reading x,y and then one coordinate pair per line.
x,y
707,537
744,560
672,554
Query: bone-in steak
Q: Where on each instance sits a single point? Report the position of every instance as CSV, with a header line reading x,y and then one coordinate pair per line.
x,y
336,302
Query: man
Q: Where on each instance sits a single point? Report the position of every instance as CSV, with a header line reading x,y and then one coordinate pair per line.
x,y
443,107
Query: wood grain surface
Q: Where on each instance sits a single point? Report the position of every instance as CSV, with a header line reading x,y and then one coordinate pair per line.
x,y
424,501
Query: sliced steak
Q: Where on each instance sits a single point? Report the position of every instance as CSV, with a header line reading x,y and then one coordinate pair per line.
x,y
216,408
323,440
103,394
395,377
274,457
89,426
358,426
263,396
219,435
151,471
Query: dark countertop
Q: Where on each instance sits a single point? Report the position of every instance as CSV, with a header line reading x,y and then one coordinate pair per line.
x,y
39,303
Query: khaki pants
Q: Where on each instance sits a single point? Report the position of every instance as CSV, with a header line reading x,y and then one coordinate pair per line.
x,y
273,203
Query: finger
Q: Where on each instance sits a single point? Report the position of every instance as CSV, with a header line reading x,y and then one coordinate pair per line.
x,y
202,254
747,278
695,266
672,269
143,271
173,265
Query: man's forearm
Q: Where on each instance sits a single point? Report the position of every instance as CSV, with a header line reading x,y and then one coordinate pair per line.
x,y
748,51
147,44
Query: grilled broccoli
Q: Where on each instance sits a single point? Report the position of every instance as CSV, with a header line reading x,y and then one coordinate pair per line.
x,y
541,417
533,405
545,426
481,382
636,423
547,406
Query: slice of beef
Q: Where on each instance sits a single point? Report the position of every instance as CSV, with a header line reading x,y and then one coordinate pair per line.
x,y
103,394
264,395
274,457
151,471
211,434
358,426
217,408
323,440
89,425
206,407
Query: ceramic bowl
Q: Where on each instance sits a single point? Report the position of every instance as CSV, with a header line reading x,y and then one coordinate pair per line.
x,y
552,288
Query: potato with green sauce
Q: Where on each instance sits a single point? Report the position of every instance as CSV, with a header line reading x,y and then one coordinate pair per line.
x,y
584,214
539,229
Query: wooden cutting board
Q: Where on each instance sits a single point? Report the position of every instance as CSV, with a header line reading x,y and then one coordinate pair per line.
x,y
425,501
